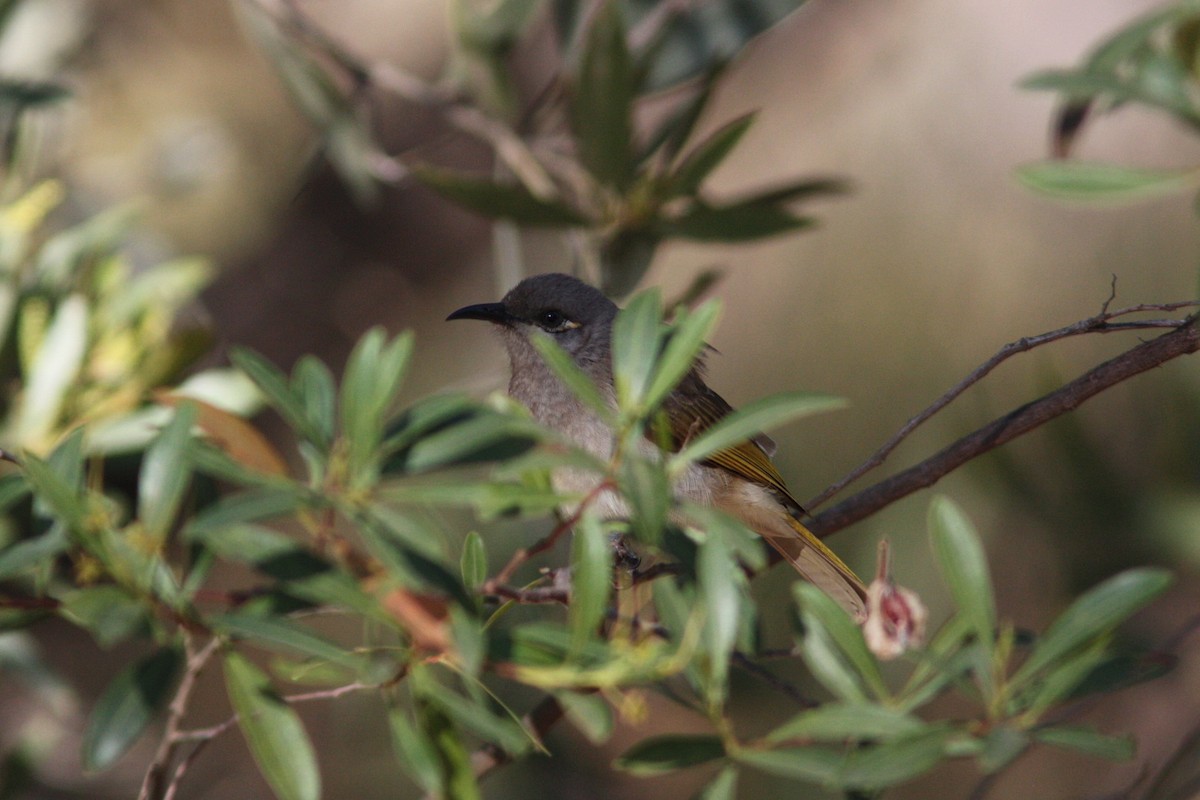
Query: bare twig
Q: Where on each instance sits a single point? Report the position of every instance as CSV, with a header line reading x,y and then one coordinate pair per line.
x,y
196,660
493,585
1183,340
1100,323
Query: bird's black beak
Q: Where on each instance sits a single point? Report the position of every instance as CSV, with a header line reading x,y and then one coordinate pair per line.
x,y
488,312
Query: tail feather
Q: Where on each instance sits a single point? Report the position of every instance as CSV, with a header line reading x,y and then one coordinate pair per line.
x,y
820,566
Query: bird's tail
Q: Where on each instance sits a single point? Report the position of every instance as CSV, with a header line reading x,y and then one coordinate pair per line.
x,y
820,566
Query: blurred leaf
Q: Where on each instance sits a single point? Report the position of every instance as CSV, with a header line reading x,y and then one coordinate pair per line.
x,y
454,760
572,376
424,617
497,200
815,764
415,752
33,552
677,128
635,349
834,649
474,563
253,505
228,389
313,384
23,94
895,761
720,582
645,486
685,343
233,435
274,732
661,754
1078,180
108,613
58,499
735,222
704,157
1061,678
1093,614
13,489
1088,742
750,421
53,372
964,567
722,787
478,436
503,731
275,388
374,371
411,567
165,474
1001,745
128,705
274,633
710,33
601,103
590,713
838,722
591,579
1122,670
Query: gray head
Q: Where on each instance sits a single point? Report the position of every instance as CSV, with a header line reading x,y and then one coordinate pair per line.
x,y
578,316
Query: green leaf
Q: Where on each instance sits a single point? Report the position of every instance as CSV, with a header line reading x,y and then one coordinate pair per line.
x,y
1077,180
645,486
498,729
591,579
254,505
498,200
685,342
277,391
128,705
313,384
454,760
661,754
415,752
815,764
23,94
279,632
1001,745
589,712
165,474
735,222
964,567
53,372
374,372
702,159
1095,613
601,104
1088,742
751,420
13,489
33,552
720,595
895,761
274,732
722,787
836,655
571,375
58,498
837,722
635,348
108,613
474,564
478,436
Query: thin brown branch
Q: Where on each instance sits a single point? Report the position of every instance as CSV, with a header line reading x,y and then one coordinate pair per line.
x,y
196,661
1184,340
523,555
1100,323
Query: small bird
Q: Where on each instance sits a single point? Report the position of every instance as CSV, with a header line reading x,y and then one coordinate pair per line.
x,y
740,480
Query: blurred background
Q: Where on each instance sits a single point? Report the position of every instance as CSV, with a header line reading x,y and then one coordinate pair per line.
x,y
934,260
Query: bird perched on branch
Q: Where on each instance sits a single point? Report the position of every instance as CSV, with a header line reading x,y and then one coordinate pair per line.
x,y
740,480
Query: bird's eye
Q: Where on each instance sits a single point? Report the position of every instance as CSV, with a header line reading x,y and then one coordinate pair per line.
x,y
554,321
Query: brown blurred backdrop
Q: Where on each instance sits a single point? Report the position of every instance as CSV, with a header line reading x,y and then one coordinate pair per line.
x,y
935,260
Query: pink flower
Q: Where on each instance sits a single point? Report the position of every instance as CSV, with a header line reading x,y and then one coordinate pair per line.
x,y
895,615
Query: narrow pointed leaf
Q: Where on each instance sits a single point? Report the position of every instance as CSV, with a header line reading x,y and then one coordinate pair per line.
x,y
602,100
512,201
165,473
1088,742
1093,614
277,738
591,579
473,565
662,754
1080,180
964,567
703,158
128,705
685,342
635,342
751,420
574,378
837,722
589,712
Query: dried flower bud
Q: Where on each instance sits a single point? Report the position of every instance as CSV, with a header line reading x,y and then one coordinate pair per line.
x,y
895,615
